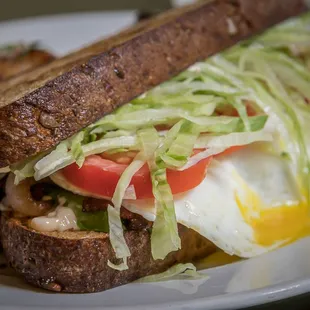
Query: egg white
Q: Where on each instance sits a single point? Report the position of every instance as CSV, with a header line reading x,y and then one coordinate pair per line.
x,y
212,209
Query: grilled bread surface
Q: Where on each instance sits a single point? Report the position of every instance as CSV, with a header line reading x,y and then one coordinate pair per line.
x,y
76,261
52,103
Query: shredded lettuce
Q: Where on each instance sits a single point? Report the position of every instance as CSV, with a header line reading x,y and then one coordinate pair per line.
x,y
62,156
170,137
176,272
116,235
165,237
273,78
293,35
56,160
182,147
116,229
25,169
218,144
235,124
232,139
76,148
194,96
120,267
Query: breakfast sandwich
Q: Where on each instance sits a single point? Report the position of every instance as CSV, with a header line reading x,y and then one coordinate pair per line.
x,y
180,136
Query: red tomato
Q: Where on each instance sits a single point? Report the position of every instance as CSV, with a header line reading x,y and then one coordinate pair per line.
x,y
100,176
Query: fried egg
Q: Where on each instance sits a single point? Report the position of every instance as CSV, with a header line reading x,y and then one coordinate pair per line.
x,y
248,204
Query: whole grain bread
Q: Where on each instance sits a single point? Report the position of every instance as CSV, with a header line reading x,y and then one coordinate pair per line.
x,y
52,103
76,262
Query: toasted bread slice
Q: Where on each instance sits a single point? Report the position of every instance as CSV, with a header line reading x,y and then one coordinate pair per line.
x,y
76,262
20,58
52,103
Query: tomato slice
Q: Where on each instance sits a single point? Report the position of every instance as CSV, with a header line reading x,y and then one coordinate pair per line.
x,y
100,176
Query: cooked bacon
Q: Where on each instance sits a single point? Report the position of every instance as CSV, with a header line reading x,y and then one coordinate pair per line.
x,y
94,205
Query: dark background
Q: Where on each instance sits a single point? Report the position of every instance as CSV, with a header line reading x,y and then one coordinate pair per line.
x,y
21,8
10,9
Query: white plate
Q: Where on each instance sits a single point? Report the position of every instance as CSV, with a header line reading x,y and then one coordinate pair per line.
x,y
274,276
64,33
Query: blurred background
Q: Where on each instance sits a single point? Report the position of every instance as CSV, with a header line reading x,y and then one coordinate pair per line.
x,y
19,8
107,17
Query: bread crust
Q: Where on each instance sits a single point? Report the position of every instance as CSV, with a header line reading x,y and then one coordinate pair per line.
x,y
52,103
76,262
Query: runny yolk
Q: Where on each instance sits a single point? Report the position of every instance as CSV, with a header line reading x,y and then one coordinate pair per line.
x,y
273,225
216,259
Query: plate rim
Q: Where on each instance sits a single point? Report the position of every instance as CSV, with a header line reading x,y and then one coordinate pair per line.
x,y
248,298
228,301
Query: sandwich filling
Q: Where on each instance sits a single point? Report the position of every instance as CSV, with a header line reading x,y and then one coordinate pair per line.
x,y
222,148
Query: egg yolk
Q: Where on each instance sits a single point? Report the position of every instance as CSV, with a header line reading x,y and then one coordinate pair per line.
x,y
274,224
216,259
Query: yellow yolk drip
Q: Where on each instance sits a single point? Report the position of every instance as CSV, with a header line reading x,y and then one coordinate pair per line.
x,y
274,224
218,258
